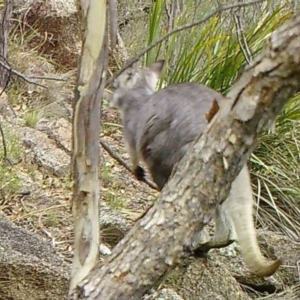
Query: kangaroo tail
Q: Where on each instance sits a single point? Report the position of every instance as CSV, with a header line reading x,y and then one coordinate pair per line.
x,y
240,210
251,253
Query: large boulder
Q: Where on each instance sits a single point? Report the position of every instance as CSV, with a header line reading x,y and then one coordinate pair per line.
x,y
30,268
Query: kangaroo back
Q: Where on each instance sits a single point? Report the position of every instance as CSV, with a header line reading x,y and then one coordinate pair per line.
x,y
172,118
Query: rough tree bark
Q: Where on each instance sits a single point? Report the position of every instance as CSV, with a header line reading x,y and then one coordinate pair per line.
x,y
6,14
86,128
203,177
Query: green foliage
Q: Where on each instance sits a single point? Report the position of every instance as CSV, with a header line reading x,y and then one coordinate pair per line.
x,y
13,144
110,188
106,174
14,93
31,117
114,200
275,163
211,54
9,180
51,219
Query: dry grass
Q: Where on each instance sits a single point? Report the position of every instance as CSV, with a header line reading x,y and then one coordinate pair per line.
x,y
34,102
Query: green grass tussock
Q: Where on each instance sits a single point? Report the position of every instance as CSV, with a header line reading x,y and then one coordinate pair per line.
x,y
213,54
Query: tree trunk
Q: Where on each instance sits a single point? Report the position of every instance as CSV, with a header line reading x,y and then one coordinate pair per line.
x,y
6,14
203,177
86,128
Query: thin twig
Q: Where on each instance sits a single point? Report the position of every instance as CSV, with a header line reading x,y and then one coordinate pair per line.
x,y
5,157
107,148
20,75
47,78
217,11
4,89
3,142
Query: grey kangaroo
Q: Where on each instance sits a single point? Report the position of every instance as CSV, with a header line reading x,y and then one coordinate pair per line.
x,y
159,127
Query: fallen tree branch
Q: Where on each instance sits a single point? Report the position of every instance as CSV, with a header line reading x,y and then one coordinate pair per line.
x,y
203,177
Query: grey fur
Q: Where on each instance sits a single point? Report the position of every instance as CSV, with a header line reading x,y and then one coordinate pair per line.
x,y
159,127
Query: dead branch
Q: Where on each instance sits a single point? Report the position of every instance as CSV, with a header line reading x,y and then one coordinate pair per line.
x,y
20,75
113,23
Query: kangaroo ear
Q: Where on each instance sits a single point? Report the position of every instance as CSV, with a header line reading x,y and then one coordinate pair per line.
x,y
153,72
157,67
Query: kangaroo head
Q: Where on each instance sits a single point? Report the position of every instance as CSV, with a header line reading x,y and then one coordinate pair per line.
x,y
141,81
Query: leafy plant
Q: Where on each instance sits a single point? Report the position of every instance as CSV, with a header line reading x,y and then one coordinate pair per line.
x,y
211,54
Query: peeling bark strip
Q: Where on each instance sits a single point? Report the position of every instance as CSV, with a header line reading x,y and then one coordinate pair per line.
x,y
204,176
86,129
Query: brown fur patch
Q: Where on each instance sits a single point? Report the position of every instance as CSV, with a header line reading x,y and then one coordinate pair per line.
x,y
214,109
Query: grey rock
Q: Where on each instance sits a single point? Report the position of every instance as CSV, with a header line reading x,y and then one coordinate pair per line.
x,y
167,294
30,268
44,152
